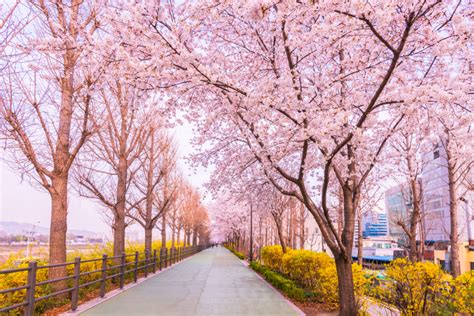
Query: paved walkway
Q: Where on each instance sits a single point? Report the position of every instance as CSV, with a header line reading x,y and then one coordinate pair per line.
x,y
212,282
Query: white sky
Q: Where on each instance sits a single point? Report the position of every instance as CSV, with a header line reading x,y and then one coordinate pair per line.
x,y
20,202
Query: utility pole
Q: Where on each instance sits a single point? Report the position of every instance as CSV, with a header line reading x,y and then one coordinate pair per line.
x,y
251,232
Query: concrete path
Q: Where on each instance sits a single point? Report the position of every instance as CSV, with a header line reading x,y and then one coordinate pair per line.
x,y
212,282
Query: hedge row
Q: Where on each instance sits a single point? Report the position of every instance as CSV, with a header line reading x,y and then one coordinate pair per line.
x,y
280,282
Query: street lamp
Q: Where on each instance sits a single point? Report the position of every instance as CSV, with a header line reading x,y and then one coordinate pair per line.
x,y
251,232
30,234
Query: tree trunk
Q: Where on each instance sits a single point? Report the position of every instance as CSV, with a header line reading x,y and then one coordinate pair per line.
x,y
265,243
280,235
195,234
119,216
453,213
188,238
148,238
173,239
163,230
415,220
59,182
347,302
413,252
149,221
58,230
360,244
251,235
119,235
302,228
288,229
178,236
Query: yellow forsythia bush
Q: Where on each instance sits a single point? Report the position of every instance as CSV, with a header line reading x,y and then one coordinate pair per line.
x,y
416,288
306,267
464,293
272,257
17,279
316,272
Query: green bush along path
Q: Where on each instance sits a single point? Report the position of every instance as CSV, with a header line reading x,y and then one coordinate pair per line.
x,y
212,282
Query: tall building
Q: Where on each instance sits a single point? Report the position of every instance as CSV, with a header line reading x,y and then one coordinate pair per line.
x,y
398,203
375,225
435,223
436,200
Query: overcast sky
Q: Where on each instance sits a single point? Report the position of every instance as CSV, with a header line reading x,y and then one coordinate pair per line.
x,y
20,202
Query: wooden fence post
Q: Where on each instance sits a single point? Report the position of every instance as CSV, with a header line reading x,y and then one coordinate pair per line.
x,y
30,291
75,286
146,263
135,272
122,270
103,276
154,261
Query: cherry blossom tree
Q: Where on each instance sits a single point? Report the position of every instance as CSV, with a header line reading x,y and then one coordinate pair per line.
x,y
407,158
454,135
310,92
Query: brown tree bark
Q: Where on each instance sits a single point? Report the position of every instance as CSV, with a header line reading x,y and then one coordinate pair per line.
x,y
178,236
302,226
360,243
279,228
163,230
119,208
148,238
453,211
195,236
347,301
58,229
415,216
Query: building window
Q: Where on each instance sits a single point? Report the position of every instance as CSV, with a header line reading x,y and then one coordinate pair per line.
x,y
472,266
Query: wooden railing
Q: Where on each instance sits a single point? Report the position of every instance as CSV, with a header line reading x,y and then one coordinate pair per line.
x,y
129,264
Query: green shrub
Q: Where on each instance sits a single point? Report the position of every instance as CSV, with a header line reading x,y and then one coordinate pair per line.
x,y
280,282
272,257
419,288
239,255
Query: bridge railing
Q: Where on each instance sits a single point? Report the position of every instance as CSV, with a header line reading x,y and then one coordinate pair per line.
x,y
116,268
